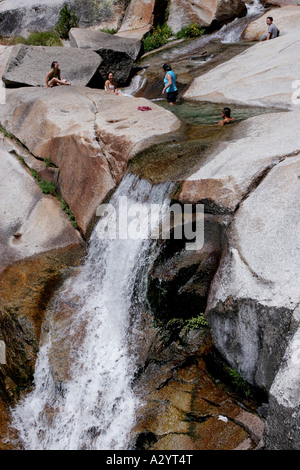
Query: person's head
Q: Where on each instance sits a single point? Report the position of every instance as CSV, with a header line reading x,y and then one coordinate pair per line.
x,y
226,112
54,65
110,76
269,20
167,67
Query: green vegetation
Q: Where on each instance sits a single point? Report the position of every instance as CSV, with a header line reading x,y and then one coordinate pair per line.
x,y
157,38
109,31
35,39
49,163
241,386
193,30
43,39
48,188
194,323
67,210
7,134
68,20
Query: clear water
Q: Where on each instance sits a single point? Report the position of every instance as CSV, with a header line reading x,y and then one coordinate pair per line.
x,y
83,397
203,113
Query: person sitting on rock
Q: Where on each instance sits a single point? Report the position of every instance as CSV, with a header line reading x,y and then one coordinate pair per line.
x,y
53,77
273,31
226,113
111,85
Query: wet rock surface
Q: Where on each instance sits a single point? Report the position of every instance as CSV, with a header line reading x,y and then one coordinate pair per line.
x,y
182,406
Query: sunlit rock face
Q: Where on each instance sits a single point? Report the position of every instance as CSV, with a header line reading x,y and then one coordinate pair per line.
x,y
217,12
89,134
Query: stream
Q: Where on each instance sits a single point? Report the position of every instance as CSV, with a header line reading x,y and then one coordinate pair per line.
x,y
83,396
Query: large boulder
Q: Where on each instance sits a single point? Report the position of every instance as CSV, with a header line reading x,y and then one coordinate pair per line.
x,y
31,222
252,307
29,65
19,19
214,13
139,15
260,76
88,134
285,18
118,53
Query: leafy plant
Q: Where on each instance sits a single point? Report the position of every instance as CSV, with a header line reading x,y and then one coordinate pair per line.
x,y
68,20
47,187
157,38
191,31
238,382
195,323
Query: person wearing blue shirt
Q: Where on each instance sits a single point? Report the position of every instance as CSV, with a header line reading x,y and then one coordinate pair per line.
x,y
170,85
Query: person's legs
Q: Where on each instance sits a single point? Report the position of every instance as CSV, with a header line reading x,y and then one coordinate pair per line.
x,y
171,97
55,81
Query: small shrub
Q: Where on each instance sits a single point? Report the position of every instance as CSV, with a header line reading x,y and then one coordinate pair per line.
x,y
43,39
159,37
109,31
68,20
196,323
47,187
192,31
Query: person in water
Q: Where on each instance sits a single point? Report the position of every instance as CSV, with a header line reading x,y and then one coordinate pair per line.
x,y
170,85
226,115
111,85
53,77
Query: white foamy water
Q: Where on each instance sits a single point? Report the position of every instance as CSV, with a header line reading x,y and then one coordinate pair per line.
x,y
93,405
232,32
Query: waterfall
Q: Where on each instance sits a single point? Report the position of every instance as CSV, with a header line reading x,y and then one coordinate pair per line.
x,y
82,396
232,32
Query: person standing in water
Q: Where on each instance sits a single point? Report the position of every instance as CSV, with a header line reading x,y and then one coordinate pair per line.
x,y
226,115
53,77
170,85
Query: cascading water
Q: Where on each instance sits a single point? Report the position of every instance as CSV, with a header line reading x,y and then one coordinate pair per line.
x,y
93,406
229,34
232,32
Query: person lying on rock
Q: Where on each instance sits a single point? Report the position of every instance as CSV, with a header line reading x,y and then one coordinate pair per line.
x,y
111,85
53,77
226,115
